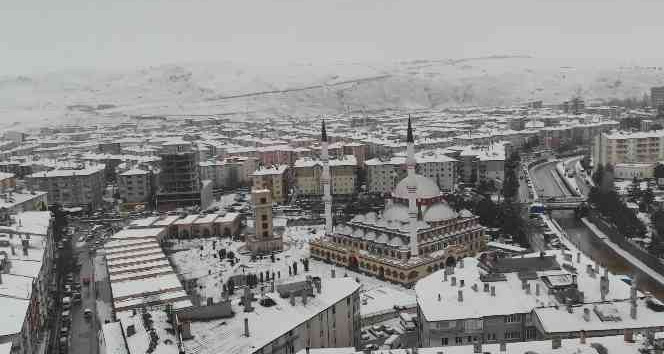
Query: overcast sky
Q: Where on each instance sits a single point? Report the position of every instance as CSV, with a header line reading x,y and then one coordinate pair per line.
x,y
48,35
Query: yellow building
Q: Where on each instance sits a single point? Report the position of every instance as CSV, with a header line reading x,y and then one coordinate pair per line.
x,y
273,179
343,173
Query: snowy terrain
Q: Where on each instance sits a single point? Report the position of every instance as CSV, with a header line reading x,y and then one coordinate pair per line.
x,y
307,90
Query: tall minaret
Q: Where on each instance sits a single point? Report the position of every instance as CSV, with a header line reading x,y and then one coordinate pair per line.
x,y
325,180
412,189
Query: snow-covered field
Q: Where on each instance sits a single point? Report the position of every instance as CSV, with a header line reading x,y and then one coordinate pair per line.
x,y
308,90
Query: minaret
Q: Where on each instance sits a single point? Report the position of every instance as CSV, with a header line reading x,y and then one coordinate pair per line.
x,y
412,189
325,180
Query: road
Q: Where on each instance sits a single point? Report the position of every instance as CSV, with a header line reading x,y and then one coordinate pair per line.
x,y
545,183
582,237
84,331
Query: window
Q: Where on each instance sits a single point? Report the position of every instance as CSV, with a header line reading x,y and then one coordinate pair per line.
x,y
491,336
515,317
264,225
458,340
531,333
263,200
443,341
512,335
263,217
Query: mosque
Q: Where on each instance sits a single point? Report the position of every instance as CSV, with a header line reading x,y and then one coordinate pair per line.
x,y
416,234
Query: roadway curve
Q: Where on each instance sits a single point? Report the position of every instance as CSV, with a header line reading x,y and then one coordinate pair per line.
x,y
546,183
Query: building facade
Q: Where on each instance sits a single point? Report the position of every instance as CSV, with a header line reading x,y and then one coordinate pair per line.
x,y
274,179
343,172
263,240
628,148
135,186
71,188
179,182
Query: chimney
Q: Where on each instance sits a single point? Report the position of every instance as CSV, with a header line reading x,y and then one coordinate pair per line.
x,y
493,290
292,298
461,283
582,337
486,287
578,257
460,295
586,315
628,335
503,347
332,273
537,289
555,343
246,327
453,281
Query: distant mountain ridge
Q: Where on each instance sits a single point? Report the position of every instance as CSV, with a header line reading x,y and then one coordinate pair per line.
x,y
307,89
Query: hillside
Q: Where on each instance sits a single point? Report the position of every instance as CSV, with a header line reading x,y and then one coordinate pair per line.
x,y
304,89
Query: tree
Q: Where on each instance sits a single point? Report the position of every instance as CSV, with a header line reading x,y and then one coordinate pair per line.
x,y
598,174
487,211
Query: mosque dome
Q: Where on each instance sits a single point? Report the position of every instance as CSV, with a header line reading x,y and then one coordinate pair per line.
x,y
438,212
426,188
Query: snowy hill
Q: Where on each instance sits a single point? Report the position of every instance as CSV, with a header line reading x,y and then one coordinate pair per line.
x,y
306,89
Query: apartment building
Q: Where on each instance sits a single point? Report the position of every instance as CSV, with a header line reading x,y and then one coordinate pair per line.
x,y
71,188
384,174
535,297
135,186
273,178
343,176
657,98
311,313
620,148
27,263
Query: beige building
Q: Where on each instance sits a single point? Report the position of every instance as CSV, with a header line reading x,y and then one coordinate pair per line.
x,y
618,148
263,240
273,179
71,188
343,173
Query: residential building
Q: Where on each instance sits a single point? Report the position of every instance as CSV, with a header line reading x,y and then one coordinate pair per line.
x,y
135,186
274,179
71,188
628,148
27,280
384,174
532,297
312,313
657,98
343,172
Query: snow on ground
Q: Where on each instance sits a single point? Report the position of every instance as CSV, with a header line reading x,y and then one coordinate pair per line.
x,y
211,273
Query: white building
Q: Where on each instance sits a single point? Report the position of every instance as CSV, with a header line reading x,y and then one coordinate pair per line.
x,y
279,323
383,175
71,188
